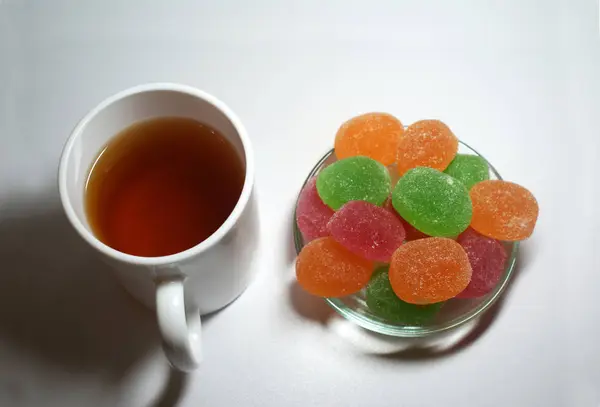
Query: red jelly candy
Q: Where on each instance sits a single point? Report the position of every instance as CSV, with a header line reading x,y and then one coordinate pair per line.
x,y
368,230
488,259
411,232
312,214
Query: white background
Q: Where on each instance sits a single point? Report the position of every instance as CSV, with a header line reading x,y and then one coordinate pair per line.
x,y
518,80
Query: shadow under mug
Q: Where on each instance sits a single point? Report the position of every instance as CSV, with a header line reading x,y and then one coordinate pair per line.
x,y
187,284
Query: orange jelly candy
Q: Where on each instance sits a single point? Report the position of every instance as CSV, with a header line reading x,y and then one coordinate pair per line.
x,y
503,210
426,143
325,268
429,270
374,135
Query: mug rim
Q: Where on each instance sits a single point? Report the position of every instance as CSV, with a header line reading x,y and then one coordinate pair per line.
x,y
206,244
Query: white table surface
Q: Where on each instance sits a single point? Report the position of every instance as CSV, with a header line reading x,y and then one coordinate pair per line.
x,y
519,80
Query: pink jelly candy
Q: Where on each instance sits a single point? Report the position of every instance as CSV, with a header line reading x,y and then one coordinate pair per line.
x,y
367,230
312,214
487,257
411,232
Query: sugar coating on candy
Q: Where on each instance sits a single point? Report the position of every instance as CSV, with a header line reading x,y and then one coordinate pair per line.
x,y
503,210
411,233
430,270
426,143
327,269
383,302
353,179
468,169
487,257
312,214
367,230
372,135
433,202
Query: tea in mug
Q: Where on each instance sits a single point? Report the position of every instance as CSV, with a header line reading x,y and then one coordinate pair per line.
x,y
162,186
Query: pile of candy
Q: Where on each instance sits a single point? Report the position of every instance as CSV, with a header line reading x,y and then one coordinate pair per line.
x,y
434,235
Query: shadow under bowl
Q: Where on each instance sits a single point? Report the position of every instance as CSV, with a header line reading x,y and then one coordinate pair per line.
x,y
455,312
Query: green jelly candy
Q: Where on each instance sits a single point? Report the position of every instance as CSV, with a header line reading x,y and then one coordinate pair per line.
x,y
468,169
355,178
382,302
433,202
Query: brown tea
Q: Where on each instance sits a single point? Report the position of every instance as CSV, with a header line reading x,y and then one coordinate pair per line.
x,y
162,186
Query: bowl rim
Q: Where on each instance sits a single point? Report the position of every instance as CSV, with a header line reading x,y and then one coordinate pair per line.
x,y
407,331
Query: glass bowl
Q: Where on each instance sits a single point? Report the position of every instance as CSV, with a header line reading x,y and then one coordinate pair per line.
x,y
454,312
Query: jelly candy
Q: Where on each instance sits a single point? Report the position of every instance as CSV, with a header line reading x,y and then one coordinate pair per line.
x,y
426,143
468,169
410,231
325,268
433,202
312,214
383,302
487,257
430,270
353,179
372,135
368,230
503,210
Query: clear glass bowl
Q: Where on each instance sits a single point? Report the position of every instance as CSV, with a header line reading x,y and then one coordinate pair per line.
x,y
454,313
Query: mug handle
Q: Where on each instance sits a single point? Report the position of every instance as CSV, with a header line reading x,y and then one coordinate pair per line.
x,y
181,333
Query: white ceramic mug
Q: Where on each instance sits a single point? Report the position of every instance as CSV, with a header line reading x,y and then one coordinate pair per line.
x,y
196,281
